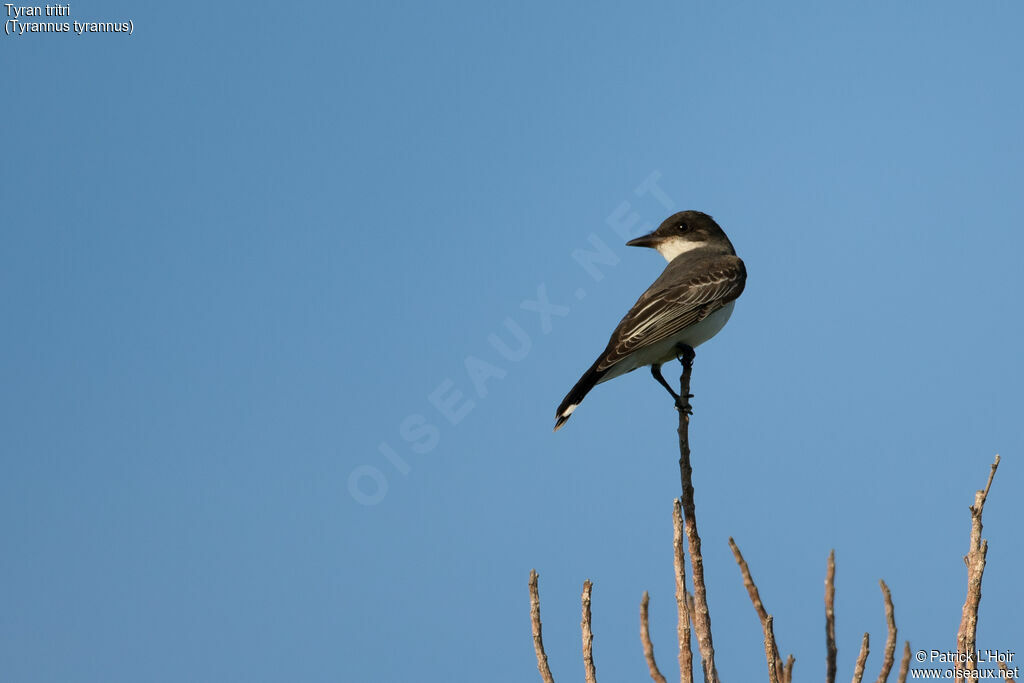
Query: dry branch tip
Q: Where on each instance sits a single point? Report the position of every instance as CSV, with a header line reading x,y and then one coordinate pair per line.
x,y
538,640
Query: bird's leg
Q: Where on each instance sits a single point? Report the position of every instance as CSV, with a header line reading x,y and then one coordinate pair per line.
x,y
685,355
680,403
656,372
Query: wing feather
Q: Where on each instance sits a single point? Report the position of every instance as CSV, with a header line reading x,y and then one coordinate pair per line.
x,y
663,311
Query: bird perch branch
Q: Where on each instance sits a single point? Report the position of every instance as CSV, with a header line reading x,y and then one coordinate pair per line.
x,y
701,616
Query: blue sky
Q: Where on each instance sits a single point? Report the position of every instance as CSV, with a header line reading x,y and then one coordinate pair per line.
x,y
252,258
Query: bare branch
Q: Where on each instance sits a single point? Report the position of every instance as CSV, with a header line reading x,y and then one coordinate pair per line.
x,y
769,650
905,663
755,598
787,671
588,635
975,561
645,638
701,616
748,581
830,619
538,640
683,597
862,658
890,640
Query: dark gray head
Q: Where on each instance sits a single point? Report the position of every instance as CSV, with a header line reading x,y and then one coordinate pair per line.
x,y
682,232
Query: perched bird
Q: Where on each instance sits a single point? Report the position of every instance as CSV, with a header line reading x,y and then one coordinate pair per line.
x,y
687,305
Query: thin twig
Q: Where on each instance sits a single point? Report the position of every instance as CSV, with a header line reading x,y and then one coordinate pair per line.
x,y
683,597
787,671
769,651
538,640
890,640
748,581
862,658
645,638
755,598
975,561
830,619
701,617
904,663
588,635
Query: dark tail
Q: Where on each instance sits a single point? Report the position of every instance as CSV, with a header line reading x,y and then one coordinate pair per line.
x,y
576,394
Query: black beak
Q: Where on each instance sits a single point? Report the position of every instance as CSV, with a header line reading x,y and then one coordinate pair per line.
x,y
650,240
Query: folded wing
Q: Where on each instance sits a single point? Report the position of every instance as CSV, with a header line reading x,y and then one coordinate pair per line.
x,y
664,310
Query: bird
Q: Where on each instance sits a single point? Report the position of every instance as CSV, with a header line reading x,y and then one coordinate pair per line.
x,y
687,305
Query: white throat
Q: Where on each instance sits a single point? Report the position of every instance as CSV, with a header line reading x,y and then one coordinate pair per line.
x,y
674,246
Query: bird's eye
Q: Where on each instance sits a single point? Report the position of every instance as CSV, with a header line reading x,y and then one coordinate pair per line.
x,y
683,227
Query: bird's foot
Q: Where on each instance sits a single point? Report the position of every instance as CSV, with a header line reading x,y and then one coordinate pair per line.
x,y
685,354
683,404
